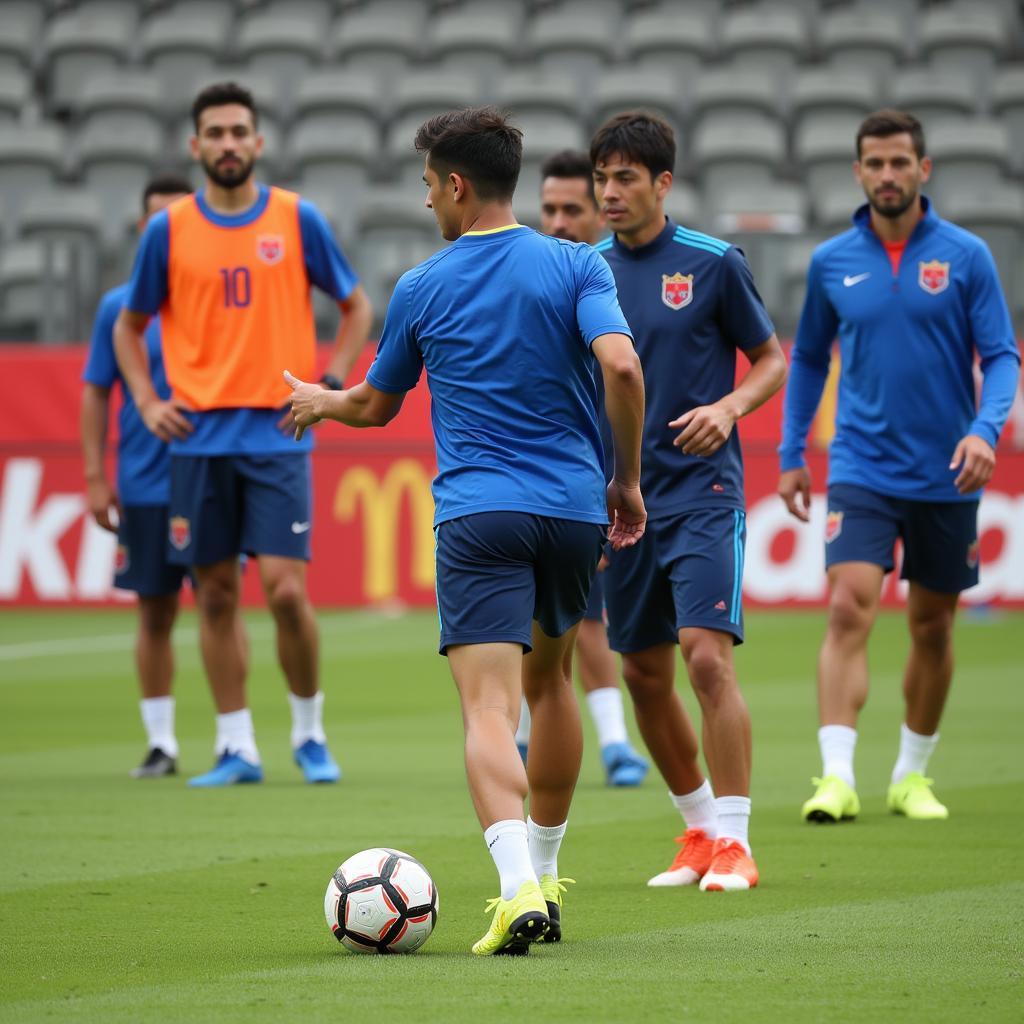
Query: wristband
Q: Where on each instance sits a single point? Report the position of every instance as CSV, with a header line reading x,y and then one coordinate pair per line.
x,y
332,383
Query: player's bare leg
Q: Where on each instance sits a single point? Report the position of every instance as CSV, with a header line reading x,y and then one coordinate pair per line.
x,y
599,677
926,683
154,662
298,648
225,651
854,592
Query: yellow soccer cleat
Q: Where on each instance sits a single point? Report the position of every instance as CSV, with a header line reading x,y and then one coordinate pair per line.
x,y
833,800
552,889
516,923
912,797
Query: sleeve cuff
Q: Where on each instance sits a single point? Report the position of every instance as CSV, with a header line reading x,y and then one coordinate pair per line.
x,y
985,431
790,459
391,389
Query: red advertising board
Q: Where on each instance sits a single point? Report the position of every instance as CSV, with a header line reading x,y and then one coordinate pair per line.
x,y
372,538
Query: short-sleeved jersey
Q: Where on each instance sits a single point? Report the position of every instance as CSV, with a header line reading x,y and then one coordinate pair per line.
x,y
691,302
503,322
143,462
233,293
907,341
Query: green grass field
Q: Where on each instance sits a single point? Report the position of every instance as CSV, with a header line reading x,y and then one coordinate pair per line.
x,y
126,901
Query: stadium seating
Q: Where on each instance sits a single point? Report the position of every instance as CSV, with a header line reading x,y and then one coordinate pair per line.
x,y
765,97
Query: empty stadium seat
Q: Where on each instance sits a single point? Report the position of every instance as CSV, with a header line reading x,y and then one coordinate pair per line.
x,y
769,37
541,101
825,153
81,44
280,47
120,101
575,41
19,32
967,36
967,154
631,89
734,90
339,102
332,168
822,94
870,40
481,38
14,96
1007,102
379,41
834,202
730,150
31,158
683,206
35,293
934,95
182,52
673,43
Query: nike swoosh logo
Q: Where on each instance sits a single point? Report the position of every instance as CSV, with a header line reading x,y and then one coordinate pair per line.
x,y
300,527
849,282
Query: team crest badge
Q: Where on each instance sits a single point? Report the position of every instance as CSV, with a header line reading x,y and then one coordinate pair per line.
x,y
270,248
121,560
833,526
181,532
972,555
933,276
677,290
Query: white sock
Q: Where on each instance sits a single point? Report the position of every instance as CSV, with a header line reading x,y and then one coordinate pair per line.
x,y
307,719
158,719
734,819
506,841
837,743
523,732
544,841
235,735
698,809
915,750
606,710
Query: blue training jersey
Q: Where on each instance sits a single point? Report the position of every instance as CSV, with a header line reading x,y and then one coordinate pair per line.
x,y
691,302
907,342
143,461
503,322
251,430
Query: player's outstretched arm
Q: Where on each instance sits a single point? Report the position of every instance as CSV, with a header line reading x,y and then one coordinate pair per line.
x,y
624,404
163,418
361,406
705,429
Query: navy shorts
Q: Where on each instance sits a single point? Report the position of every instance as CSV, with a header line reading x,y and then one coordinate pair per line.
x,y
141,562
497,572
687,571
595,600
940,538
226,505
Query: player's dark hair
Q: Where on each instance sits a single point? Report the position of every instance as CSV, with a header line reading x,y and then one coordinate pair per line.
x,y
887,122
165,185
220,94
570,163
638,137
477,142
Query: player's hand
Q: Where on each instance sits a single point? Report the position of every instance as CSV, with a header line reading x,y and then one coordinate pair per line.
x,y
102,501
286,424
165,419
704,429
304,403
976,460
627,515
602,562
795,491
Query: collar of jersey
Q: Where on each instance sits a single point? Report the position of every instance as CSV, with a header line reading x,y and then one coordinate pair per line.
x,y
234,220
490,231
929,219
642,251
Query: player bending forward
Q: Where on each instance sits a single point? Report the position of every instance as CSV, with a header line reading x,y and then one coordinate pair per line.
x,y
507,323
692,303
911,298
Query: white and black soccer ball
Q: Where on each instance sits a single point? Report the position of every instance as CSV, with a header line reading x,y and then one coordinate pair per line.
x,y
381,901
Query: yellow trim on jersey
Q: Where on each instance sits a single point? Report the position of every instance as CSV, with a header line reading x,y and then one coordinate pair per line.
x,y
494,231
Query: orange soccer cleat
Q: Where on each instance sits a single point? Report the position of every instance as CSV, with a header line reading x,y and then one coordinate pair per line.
x,y
693,858
732,868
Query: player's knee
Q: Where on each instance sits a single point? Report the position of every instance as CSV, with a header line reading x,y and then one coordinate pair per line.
x,y
709,666
849,614
286,597
217,599
933,633
157,615
646,686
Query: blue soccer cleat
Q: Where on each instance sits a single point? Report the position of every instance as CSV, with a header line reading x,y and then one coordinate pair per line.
x,y
316,762
623,765
230,770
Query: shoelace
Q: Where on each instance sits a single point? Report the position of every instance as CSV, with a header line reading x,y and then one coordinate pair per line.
x,y
561,887
727,857
491,904
683,852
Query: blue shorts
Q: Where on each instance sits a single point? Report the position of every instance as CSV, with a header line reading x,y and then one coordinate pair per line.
x,y
141,562
940,538
497,572
687,571
226,505
595,600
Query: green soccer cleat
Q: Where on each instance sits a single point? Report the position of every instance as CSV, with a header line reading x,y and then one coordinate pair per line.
x,y
552,889
912,797
833,800
516,923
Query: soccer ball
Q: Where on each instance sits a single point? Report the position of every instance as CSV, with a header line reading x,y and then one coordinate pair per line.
x,y
381,901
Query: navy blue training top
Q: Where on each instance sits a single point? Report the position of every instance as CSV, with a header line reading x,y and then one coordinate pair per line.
x,y
691,302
